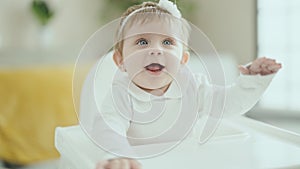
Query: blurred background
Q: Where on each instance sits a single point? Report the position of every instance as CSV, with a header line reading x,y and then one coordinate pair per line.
x,y
40,40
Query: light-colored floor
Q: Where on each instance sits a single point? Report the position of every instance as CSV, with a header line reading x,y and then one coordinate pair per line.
x,y
44,165
53,164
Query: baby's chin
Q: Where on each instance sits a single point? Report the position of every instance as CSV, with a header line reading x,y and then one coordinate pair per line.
x,y
153,86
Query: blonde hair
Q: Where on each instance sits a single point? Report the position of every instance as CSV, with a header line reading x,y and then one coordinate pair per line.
x,y
128,18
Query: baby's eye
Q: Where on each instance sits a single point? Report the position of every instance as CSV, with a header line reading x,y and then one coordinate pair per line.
x,y
167,42
142,42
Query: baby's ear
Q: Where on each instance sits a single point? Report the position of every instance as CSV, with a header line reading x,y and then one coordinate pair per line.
x,y
118,59
185,57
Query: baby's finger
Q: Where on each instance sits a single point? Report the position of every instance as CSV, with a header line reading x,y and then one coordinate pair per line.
x,y
125,164
255,70
266,72
259,61
275,67
263,66
114,164
255,64
135,164
102,164
244,70
269,62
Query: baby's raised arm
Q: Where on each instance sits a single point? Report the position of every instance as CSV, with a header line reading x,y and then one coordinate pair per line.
x,y
243,94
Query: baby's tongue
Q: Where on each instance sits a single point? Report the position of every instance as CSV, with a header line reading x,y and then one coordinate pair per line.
x,y
153,67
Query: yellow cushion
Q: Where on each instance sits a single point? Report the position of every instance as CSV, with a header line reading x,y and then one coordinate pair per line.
x,y
33,101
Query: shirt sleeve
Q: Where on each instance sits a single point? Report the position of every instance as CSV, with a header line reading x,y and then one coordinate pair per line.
x,y
111,125
234,99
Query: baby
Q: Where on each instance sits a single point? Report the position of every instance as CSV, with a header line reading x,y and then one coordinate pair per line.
x,y
154,97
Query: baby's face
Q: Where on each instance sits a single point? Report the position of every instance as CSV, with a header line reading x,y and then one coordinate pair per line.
x,y
152,54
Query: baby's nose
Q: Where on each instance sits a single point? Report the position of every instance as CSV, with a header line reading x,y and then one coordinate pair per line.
x,y
155,52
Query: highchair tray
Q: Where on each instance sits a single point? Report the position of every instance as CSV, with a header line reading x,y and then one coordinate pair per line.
x,y
239,142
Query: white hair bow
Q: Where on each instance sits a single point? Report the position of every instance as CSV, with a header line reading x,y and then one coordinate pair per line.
x,y
171,7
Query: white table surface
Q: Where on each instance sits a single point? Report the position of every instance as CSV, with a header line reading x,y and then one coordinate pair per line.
x,y
238,143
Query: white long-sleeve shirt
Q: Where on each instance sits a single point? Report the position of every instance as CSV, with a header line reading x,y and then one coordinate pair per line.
x,y
130,116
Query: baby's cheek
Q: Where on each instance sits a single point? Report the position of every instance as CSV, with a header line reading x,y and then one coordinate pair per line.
x,y
173,67
134,64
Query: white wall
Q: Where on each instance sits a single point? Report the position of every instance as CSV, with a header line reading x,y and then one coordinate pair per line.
x,y
73,22
230,25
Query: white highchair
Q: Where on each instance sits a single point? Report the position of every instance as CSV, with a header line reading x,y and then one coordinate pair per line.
x,y
239,142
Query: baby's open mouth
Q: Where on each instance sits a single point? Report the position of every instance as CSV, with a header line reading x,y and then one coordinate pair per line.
x,y
154,67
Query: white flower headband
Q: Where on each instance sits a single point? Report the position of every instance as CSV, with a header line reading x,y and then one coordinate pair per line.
x,y
165,4
171,7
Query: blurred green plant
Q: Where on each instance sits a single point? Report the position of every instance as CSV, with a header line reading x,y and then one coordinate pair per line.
x,y
113,9
41,11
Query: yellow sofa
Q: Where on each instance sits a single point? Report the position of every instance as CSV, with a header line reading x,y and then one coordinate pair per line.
x,y
33,101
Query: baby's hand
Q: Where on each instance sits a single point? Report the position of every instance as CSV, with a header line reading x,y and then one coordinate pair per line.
x,y
263,66
119,163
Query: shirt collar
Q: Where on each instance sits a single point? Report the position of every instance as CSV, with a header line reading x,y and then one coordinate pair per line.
x,y
177,87
173,92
